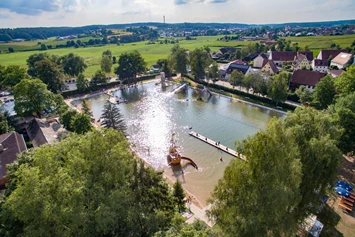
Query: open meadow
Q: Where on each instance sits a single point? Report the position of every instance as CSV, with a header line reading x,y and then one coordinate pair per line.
x,y
153,52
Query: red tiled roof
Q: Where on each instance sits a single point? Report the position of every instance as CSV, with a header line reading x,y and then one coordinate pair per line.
x,y
289,56
239,62
13,144
305,77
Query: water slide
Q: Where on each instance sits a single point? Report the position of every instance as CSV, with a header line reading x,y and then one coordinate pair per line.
x,y
191,161
179,88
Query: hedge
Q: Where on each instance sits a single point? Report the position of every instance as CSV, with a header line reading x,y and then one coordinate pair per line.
x,y
244,94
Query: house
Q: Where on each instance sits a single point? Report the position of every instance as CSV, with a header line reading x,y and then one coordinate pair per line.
x,y
301,62
309,79
280,58
260,61
335,73
319,65
43,131
270,68
325,54
250,57
341,60
155,68
238,65
222,51
11,144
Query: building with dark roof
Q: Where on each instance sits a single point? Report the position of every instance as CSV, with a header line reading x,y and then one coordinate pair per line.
x,y
11,144
301,62
325,54
269,68
309,79
280,58
319,65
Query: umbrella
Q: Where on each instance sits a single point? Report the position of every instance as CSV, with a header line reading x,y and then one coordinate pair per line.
x,y
342,192
343,185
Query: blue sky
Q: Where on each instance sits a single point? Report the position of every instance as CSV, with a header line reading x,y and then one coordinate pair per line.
x,y
27,13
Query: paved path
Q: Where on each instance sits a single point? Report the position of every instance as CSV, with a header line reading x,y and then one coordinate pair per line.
x,y
199,214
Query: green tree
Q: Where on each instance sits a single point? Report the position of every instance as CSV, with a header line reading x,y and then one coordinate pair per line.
x,y
316,137
82,84
112,118
50,74
130,65
304,94
98,78
89,185
278,87
12,75
179,59
5,125
34,58
345,83
85,108
81,123
73,65
31,96
107,53
343,113
44,47
236,78
11,50
106,64
324,92
261,86
165,66
179,195
250,81
267,183
213,71
199,62
66,119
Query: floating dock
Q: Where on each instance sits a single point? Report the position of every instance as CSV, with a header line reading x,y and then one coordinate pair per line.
x,y
218,146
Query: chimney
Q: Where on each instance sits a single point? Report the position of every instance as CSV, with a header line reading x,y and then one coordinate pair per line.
x,y
1,148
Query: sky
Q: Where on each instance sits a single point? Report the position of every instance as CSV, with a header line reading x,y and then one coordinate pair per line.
x,y
34,13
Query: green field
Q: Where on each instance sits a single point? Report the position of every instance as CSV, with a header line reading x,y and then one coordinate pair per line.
x,y
153,52
92,55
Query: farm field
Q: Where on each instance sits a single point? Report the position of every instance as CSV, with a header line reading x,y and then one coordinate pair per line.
x,y
153,52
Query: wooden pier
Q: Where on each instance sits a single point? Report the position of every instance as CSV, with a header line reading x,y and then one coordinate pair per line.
x,y
218,146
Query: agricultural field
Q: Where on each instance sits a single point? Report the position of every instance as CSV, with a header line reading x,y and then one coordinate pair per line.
x,y
153,52
316,43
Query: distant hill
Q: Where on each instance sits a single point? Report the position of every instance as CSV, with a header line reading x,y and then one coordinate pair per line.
x,y
46,32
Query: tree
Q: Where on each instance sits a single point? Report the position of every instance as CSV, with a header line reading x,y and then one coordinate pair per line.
x,y
107,53
31,96
304,94
316,137
43,47
85,108
267,183
82,84
324,92
179,195
73,64
250,81
98,78
165,66
278,86
106,64
34,58
12,75
345,83
213,71
51,74
112,118
261,86
199,62
343,113
130,64
75,199
5,125
236,78
114,59
66,119
81,123
179,59
11,50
